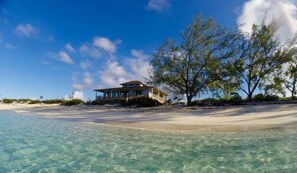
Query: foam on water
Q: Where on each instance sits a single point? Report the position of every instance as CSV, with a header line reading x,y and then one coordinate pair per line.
x,y
31,144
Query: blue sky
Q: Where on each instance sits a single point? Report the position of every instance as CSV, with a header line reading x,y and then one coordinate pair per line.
x,y
51,48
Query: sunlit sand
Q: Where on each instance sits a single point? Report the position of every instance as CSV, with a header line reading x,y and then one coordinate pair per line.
x,y
228,118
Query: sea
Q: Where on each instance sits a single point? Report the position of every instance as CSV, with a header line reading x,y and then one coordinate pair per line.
x,y
34,144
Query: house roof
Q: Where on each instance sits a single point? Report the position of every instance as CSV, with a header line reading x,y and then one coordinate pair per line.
x,y
132,82
143,87
123,89
130,88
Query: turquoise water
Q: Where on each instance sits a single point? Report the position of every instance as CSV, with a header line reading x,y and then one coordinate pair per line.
x,y
31,144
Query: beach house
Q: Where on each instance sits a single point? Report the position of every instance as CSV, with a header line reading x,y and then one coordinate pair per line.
x,y
131,89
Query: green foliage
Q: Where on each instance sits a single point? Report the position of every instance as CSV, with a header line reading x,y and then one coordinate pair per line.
x,y
285,79
236,98
258,55
271,98
53,101
138,101
34,102
72,102
106,101
8,101
142,102
261,97
258,97
199,61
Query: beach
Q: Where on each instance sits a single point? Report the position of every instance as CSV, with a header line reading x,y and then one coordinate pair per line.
x,y
218,118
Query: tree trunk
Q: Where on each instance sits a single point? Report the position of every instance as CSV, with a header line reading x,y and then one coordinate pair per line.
x,y
189,100
293,90
250,96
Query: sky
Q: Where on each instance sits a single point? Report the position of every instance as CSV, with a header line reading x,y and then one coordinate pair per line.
x,y
57,49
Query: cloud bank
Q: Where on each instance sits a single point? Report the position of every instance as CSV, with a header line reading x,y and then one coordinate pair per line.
x,y
283,11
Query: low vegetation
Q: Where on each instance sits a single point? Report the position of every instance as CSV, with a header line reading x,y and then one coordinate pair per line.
x,y
7,101
50,101
35,102
53,101
142,102
139,102
105,102
72,102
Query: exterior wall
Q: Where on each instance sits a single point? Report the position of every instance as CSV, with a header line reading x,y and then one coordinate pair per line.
x,y
156,95
119,94
151,93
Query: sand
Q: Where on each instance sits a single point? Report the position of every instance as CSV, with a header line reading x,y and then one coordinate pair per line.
x,y
225,118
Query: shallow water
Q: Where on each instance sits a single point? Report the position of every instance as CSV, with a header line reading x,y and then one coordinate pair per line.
x,y
32,144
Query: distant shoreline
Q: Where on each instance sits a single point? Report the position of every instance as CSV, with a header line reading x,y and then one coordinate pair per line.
x,y
243,118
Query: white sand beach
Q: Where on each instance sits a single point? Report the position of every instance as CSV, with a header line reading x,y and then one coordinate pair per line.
x,y
225,118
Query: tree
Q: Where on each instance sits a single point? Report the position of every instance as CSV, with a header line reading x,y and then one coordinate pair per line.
x,y
198,61
257,56
285,79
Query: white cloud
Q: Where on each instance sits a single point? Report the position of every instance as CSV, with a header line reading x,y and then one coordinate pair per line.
x,y
86,83
158,5
25,31
69,47
113,74
138,53
88,78
85,65
78,95
139,65
105,44
89,51
135,68
283,11
64,57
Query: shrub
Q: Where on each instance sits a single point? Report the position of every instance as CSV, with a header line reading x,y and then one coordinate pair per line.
x,y
34,102
204,102
22,100
195,102
271,98
258,97
261,97
142,102
235,99
53,101
104,102
8,101
72,102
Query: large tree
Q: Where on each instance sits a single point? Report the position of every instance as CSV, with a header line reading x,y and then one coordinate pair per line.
x,y
198,61
257,56
284,80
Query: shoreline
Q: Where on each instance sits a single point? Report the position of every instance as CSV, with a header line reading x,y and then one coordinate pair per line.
x,y
245,118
